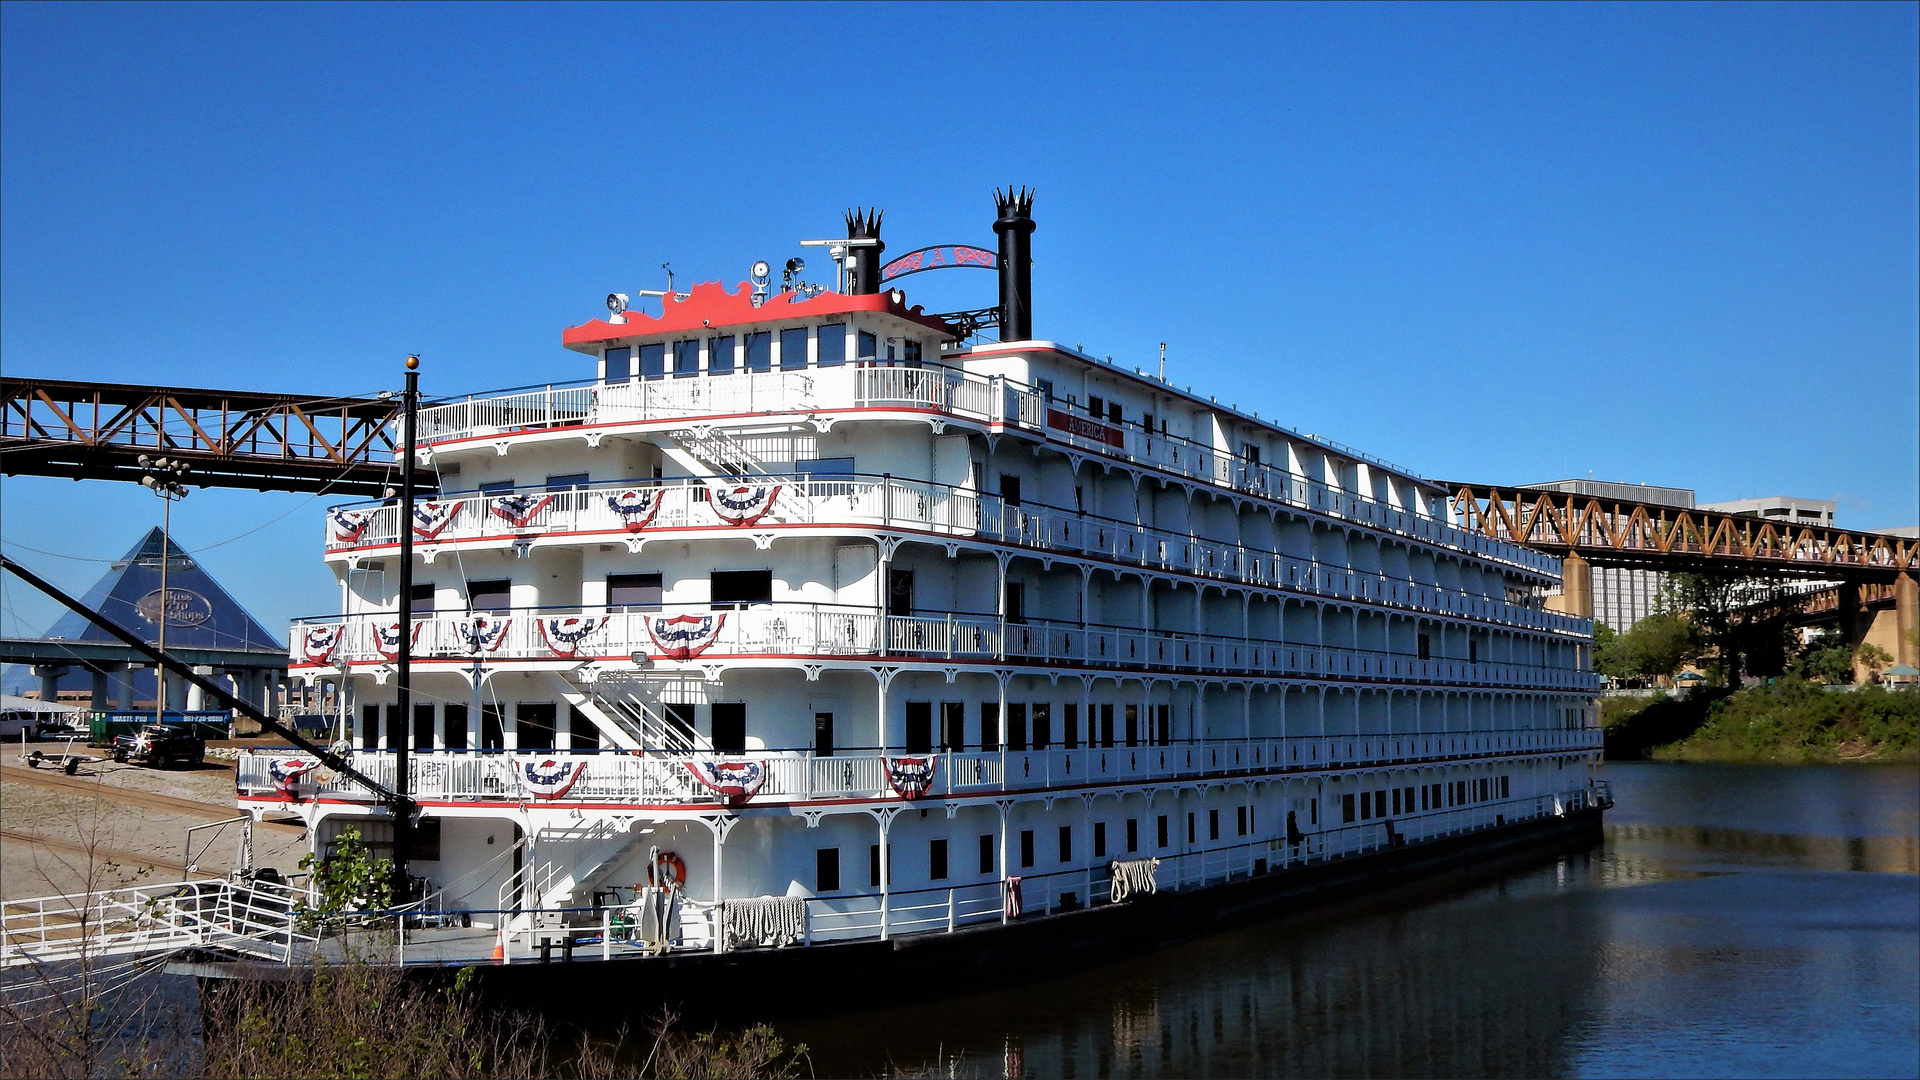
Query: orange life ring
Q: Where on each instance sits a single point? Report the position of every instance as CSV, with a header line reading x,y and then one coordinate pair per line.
x,y
667,865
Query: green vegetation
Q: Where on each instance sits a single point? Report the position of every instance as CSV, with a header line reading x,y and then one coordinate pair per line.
x,y
1657,646
349,877
1789,721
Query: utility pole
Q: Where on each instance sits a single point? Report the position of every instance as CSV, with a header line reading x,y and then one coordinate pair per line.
x,y
403,697
163,479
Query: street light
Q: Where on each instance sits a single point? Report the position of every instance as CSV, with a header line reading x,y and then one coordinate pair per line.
x,y
163,479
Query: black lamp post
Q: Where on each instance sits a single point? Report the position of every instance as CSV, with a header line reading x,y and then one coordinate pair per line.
x,y
163,479
403,730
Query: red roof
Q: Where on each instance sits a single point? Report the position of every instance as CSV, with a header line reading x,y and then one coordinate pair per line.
x,y
710,305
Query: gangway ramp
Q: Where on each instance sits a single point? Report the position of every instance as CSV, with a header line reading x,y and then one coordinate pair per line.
x,y
255,918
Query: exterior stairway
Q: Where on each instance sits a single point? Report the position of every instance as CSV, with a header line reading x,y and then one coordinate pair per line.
x,y
719,451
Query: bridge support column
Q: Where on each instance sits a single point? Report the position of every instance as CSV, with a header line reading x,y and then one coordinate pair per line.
x,y
102,689
1906,620
49,675
1576,586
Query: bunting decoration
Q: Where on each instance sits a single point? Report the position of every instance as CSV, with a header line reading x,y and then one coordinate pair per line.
x,y
318,643
684,637
551,778
484,633
386,638
519,510
348,525
287,772
563,634
430,517
735,781
637,506
910,777
742,504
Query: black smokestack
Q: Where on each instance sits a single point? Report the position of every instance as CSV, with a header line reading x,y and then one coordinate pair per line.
x,y
863,263
1015,227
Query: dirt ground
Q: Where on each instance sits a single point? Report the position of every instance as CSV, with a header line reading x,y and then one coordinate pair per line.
x,y
112,825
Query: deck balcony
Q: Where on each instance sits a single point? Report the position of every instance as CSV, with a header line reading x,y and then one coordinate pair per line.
x,y
876,502
993,403
803,632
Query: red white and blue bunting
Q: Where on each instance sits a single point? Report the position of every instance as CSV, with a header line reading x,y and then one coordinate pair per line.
x,y
518,510
484,633
910,777
287,772
317,643
684,637
551,778
637,506
564,635
736,781
430,517
348,525
742,504
386,638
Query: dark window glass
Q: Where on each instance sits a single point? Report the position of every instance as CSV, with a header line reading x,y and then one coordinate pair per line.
x,y
370,727
568,490
619,364
1099,839
493,734
1026,847
681,717
720,355
759,351
1016,602
653,361
826,870
583,735
1189,826
825,468
1106,725
823,734
953,726
986,853
1070,722
535,725
869,346
686,359
1133,834
730,726
1473,652
1164,723
1113,412
989,726
1010,489
1347,812
1133,725
1096,406
1066,843
1016,727
1213,824
793,348
633,592
1240,820
832,345
899,592
422,727
873,865
910,352
497,487
1042,726
1161,830
734,588
919,727
454,719
422,598
1426,647
490,596
937,860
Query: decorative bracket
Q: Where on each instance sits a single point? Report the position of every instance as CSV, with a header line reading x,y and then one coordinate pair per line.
x,y
951,673
635,543
713,671
813,817
500,447
813,671
427,554
762,541
594,437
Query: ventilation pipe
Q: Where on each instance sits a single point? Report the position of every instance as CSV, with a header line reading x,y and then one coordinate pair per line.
x,y
1015,227
863,260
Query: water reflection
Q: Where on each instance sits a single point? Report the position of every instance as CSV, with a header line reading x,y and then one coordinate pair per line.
x,y
1707,935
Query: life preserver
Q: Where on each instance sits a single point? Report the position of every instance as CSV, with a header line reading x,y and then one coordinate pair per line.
x,y
667,865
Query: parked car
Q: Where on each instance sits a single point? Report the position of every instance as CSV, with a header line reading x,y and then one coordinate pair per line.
x,y
160,746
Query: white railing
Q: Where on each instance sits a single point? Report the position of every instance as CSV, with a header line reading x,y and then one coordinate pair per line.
x,y
802,776
255,918
851,632
887,502
992,400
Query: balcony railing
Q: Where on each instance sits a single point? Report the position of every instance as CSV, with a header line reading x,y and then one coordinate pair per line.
x,y
801,776
991,400
887,502
798,630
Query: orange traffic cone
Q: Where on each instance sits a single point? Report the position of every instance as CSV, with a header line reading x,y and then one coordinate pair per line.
x,y
499,950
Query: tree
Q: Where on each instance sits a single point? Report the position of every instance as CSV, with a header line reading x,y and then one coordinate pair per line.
x,y
350,878
1828,659
1874,658
1609,656
1746,621
1659,644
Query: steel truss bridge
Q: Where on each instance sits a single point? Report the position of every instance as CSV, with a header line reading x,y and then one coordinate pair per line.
x,y
239,439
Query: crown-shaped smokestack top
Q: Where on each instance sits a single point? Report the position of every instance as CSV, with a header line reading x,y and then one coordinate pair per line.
x,y
1015,227
863,262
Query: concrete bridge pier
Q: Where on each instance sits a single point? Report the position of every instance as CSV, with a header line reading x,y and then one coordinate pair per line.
x,y
1906,620
49,675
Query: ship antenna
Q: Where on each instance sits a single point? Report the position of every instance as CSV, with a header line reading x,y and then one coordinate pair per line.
x,y
1163,361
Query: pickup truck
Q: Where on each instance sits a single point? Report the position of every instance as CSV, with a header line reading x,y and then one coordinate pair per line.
x,y
160,746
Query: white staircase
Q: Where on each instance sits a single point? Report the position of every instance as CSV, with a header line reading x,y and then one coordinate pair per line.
x,y
719,451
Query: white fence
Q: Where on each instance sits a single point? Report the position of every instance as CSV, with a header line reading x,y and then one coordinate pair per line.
x,y
255,918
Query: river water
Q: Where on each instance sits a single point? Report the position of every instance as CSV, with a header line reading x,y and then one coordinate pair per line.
x,y
1736,921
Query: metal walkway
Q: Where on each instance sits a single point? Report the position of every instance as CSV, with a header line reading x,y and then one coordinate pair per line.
x,y
248,918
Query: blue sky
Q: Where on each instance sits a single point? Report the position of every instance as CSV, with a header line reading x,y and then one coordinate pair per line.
x,y
1661,243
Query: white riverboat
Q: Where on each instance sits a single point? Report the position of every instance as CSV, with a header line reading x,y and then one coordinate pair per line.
x,y
808,618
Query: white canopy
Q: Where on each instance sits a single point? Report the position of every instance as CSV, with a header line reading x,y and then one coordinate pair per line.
x,y
12,704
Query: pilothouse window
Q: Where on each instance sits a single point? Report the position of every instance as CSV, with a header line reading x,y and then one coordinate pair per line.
x,y
619,364
832,345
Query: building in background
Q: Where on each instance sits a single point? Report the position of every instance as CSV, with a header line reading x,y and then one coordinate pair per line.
x,y
1779,508
1622,597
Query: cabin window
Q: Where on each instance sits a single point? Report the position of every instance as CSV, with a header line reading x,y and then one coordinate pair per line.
x,y
1346,809
1066,843
686,359
989,726
1396,801
1506,787
1473,651
1026,848
1161,830
1106,726
1133,834
453,721
738,588
936,860
720,355
1070,726
425,843
986,853
422,599
680,720
826,869
730,726
493,728
824,468
1240,820
490,595
1213,824
1042,726
899,592
1133,725
873,864
1380,803
370,727
919,727
633,592
1010,489
910,352
1190,833
534,725
1096,406
1113,412
869,346
1016,727
653,361
793,348
1045,386
823,734
1099,839
568,491
831,347
423,727
1016,602
760,351
1426,647
581,734
619,363
1163,724
953,726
